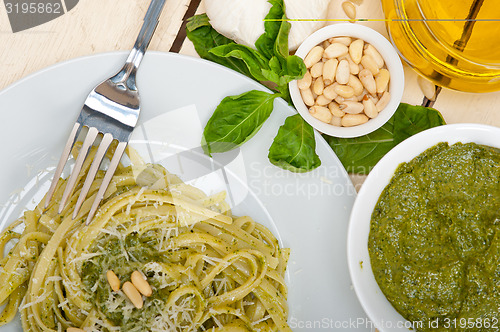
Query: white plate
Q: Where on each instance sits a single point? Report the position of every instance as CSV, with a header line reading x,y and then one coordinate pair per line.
x,y
309,212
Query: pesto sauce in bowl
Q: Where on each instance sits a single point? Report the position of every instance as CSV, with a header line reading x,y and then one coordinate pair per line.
x,y
434,241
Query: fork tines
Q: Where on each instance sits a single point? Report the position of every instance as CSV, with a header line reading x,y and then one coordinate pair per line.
x,y
88,141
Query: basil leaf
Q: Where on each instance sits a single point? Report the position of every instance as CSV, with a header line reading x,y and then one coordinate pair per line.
x,y
411,120
274,41
273,44
254,61
197,21
294,146
236,120
360,154
295,69
204,38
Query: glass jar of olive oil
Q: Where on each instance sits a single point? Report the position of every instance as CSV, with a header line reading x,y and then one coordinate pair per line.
x,y
454,43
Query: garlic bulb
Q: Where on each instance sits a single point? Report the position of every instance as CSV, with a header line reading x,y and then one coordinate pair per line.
x,y
243,20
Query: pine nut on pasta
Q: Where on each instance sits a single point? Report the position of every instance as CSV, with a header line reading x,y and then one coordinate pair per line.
x,y
141,284
133,294
113,280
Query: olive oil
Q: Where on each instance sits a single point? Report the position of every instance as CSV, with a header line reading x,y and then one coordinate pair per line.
x,y
454,43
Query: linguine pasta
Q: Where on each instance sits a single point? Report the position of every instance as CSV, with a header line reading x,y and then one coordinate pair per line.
x,y
209,270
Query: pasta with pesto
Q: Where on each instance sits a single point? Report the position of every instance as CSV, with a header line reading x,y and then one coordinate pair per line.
x,y
208,270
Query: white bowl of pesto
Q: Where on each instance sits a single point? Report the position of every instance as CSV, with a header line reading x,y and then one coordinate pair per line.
x,y
379,309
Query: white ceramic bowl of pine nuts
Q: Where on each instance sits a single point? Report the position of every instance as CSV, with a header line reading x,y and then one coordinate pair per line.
x,y
354,80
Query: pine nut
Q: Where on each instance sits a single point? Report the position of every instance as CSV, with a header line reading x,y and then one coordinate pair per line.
x,y
349,9
383,101
335,110
353,67
313,56
74,329
325,44
343,40
357,2
427,87
336,50
352,107
133,294
318,86
141,284
323,100
343,72
356,84
321,113
370,64
373,98
336,121
344,90
356,50
370,108
113,280
366,77
307,97
350,120
329,69
382,80
317,69
329,92
372,51
305,82
362,95
339,99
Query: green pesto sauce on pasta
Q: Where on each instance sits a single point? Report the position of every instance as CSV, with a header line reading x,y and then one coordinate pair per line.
x,y
434,241
139,251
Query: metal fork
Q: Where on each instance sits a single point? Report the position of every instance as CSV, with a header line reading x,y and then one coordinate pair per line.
x,y
111,109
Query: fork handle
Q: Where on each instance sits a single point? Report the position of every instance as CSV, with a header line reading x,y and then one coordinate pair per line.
x,y
127,74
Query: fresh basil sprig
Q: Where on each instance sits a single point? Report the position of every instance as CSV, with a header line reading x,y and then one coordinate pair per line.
x,y
293,148
238,118
254,61
360,154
